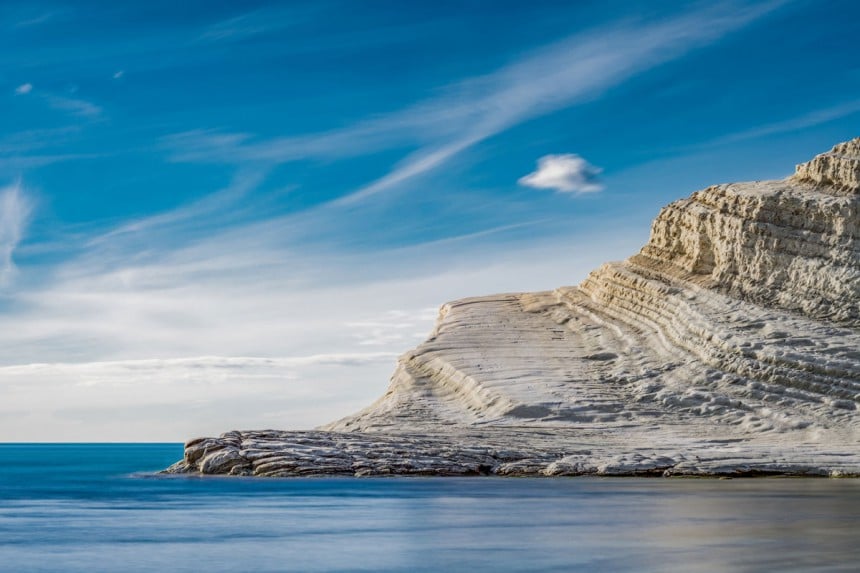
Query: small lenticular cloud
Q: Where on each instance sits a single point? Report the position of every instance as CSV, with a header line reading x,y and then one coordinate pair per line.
x,y
565,173
24,89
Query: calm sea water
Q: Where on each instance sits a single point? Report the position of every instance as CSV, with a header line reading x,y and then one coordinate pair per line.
x,y
94,507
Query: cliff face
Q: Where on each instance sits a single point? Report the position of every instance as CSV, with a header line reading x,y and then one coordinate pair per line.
x,y
789,245
729,344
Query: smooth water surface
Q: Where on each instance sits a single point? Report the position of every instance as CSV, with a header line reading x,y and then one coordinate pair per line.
x,y
93,507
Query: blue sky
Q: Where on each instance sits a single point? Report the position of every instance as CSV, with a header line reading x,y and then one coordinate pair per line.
x,y
223,214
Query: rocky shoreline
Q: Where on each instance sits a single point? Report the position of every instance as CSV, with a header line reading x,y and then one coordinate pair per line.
x,y
274,453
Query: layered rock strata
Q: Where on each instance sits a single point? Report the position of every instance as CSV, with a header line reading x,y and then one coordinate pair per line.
x,y
729,345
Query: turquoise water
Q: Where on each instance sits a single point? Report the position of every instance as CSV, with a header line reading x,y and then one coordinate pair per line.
x,y
95,507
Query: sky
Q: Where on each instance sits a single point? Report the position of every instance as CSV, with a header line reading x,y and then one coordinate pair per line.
x,y
236,215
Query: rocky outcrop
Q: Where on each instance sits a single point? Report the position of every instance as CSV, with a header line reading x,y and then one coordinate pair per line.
x,y
729,345
837,171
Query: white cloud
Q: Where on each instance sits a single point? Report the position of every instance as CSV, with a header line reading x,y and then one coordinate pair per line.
x,y
19,142
117,75
258,22
14,212
566,173
24,89
212,207
76,107
36,20
393,329
412,166
807,120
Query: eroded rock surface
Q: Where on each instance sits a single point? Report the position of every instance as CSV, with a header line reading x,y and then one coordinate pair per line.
x,y
729,345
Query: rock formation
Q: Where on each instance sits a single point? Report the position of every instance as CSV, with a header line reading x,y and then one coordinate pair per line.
x,y
729,345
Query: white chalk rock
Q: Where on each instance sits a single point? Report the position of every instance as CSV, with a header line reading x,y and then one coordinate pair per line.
x,y
729,345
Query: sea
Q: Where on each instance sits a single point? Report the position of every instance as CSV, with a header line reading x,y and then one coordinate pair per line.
x,y
103,507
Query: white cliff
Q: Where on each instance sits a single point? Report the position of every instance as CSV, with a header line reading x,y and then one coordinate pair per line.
x,y
729,345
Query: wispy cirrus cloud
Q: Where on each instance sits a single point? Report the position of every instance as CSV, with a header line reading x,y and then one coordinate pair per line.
x,y
37,19
236,28
206,212
32,148
258,22
24,89
20,142
797,123
566,73
14,213
74,106
571,71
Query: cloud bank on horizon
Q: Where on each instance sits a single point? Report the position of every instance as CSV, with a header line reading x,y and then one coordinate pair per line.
x,y
273,190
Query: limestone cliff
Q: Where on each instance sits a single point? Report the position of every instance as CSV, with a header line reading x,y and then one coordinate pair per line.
x,y
730,344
